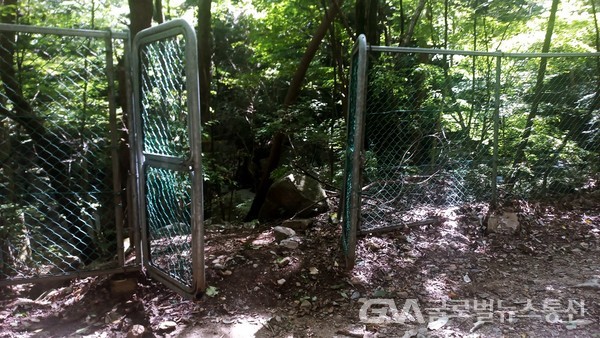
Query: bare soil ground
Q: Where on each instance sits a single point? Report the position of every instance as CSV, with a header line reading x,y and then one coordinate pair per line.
x,y
543,281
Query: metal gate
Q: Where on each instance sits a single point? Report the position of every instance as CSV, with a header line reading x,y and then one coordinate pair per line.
x,y
167,155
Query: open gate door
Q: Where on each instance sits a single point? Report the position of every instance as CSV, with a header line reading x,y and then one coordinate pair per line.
x,y
167,155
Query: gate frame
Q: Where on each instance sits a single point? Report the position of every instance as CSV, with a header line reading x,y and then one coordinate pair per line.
x,y
351,191
139,160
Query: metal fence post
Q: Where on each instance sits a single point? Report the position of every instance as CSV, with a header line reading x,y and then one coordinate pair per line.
x,y
494,182
114,148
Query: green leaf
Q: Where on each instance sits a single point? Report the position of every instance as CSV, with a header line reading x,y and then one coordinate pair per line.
x,y
211,291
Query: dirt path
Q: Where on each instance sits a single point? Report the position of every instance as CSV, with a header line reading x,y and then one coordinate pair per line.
x,y
447,279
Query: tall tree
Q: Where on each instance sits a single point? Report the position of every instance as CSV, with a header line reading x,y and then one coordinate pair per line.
x,y
204,55
537,94
413,24
367,20
158,14
292,95
140,18
140,15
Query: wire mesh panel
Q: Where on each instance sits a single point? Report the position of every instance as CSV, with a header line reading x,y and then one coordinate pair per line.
x,y
58,211
167,140
429,133
549,136
447,128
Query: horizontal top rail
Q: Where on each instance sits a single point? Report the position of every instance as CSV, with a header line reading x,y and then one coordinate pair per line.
x,y
477,53
64,31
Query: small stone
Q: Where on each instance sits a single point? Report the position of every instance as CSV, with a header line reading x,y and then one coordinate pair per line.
x,y
355,295
452,267
402,295
226,273
354,280
313,271
136,331
290,243
305,304
282,233
284,262
167,325
281,281
437,324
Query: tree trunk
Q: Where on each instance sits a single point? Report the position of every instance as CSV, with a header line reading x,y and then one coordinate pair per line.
x,y
290,98
367,20
141,12
413,23
158,15
204,57
520,152
140,15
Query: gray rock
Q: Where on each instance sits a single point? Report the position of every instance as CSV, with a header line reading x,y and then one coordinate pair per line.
x,y
291,195
305,304
282,233
290,243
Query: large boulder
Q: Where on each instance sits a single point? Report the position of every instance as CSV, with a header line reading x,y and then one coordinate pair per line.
x,y
291,195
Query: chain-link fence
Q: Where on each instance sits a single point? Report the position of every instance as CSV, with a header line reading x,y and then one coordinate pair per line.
x,y
549,125
446,128
60,210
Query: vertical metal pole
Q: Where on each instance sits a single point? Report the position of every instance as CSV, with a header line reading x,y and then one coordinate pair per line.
x,y
195,132
114,148
357,156
133,181
494,202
